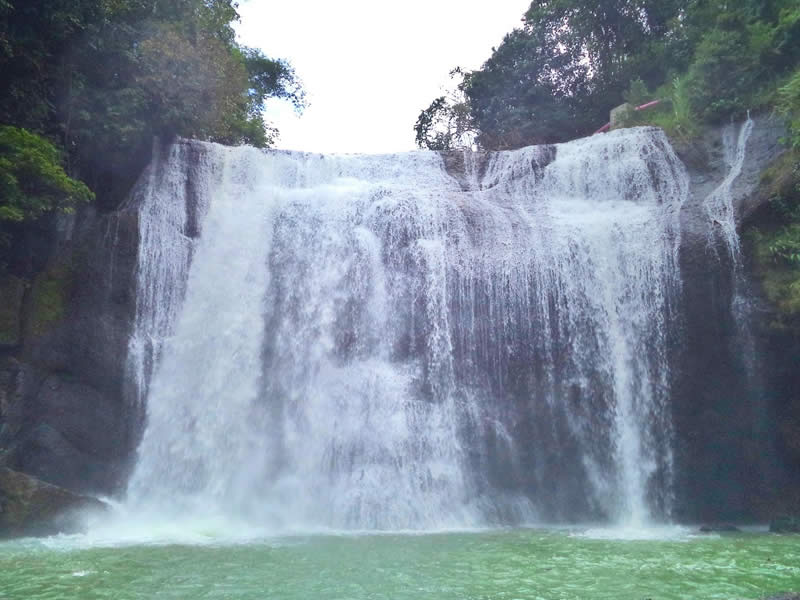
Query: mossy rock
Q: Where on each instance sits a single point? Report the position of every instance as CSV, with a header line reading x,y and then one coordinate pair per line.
x,y
780,178
774,240
49,297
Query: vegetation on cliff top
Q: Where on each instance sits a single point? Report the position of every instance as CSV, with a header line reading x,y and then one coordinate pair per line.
x,y
86,87
556,77
87,84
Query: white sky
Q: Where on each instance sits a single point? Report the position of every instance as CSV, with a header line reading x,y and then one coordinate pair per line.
x,y
370,66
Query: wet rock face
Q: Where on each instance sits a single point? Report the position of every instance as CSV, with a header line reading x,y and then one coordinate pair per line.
x,y
63,430
30,507
63,417
68,409
724,459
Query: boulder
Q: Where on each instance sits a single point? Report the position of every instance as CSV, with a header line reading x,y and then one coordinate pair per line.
x,y
44,452
30,507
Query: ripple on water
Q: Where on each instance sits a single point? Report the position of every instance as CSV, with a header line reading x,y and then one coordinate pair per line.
x,y
533,563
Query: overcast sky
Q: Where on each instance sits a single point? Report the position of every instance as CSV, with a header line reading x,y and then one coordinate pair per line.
x,y
370,66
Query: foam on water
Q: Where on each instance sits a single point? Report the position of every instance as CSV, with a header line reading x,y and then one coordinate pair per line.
x,y
375,343
675,533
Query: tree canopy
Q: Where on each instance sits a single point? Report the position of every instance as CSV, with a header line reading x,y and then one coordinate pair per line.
x,y
557,77
101,78
32,179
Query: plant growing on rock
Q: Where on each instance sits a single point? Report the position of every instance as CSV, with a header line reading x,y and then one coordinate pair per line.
x,y
32,178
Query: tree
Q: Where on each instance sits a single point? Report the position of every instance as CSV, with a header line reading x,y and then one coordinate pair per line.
x,y
102,78
572,61
447,124
527,92
32,180
556,77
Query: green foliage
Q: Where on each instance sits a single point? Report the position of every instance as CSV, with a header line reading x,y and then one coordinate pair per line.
x,y
556,77
11,293
789,106
785,49
32,180
684,123
673,114
527,92
776,241
192,84
637,93
49,298
447,123
104,77
709,61
428,135
723,75
778,257
785,246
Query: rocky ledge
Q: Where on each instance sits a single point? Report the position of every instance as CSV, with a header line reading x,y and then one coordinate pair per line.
x,y
30,507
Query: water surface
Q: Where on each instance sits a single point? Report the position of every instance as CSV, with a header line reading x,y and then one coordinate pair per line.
x,y
524,564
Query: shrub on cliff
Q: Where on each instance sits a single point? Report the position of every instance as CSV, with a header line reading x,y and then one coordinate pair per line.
x,y
776,241
789,106
32,179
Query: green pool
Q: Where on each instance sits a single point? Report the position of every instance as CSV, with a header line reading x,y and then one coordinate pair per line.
x,y
509,564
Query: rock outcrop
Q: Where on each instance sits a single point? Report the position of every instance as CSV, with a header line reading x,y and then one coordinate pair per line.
x,y
69,410
30,507
63,416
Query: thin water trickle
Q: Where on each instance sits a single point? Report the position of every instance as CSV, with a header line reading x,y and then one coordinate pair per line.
x,y
359,342
724,232
719,204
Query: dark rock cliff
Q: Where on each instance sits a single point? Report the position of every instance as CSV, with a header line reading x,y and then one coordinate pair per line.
x,y
725,408
62,414
68,406
63,417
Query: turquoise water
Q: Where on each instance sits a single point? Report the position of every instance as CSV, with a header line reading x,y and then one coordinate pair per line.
x,y
515,564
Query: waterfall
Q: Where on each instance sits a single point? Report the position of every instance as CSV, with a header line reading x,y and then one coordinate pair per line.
x,y
167,220
387,342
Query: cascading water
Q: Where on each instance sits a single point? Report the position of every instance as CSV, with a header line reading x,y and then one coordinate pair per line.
x,y
166,224
376,342
719,204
